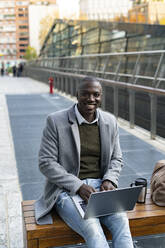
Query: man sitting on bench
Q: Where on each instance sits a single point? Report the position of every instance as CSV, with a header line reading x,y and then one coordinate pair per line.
x,y
80,153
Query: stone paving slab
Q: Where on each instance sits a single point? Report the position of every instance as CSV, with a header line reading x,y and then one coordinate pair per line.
x,y
11,235
10,194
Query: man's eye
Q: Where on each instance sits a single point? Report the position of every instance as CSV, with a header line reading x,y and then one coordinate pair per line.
x,y
97,94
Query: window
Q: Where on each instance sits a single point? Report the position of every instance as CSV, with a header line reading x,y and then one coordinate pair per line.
x,y
22,50
23,27
23,45
22,9
23,34
22,3
24,38
23,21
9,16
23,15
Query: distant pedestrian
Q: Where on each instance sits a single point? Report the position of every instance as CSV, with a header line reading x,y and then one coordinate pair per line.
x,y
14,70
2,70
20,70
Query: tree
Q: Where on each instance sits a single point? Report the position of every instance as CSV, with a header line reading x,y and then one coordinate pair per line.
x,y
30,53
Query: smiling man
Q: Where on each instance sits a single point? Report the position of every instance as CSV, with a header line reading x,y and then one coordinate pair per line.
x,y
80,154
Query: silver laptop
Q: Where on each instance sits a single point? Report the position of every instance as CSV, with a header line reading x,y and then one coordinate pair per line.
x,y
107,202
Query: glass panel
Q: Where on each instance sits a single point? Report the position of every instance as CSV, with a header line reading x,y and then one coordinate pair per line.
x,y
109,35
65,34
75,30
91,36
65,44
91,49
76,41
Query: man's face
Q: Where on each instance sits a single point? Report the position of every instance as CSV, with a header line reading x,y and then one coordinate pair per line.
x,y
89,99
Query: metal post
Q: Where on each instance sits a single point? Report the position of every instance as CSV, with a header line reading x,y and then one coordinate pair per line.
x,y
116,101
117,69
132,108
57,80
72,86
105,66
103,97
133,79
62,83
65,79
153,99
67,87
157,70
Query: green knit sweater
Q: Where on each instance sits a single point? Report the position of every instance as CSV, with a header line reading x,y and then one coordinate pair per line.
x,y
90,151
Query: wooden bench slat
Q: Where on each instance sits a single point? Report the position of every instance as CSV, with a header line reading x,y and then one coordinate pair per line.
x,y
147,221
148,230
33,243
145,214
131,215
28,202
30,220
146,207
28,214
57,241
28,208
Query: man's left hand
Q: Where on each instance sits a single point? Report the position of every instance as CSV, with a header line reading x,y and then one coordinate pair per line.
x,y
107,185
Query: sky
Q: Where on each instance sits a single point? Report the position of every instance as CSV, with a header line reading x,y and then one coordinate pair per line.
x,y
70,7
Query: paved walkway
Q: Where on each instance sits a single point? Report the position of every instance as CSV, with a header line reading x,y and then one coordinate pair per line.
x,y
10,191
10,194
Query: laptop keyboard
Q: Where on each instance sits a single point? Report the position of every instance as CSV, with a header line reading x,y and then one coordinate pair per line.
x,y
83,205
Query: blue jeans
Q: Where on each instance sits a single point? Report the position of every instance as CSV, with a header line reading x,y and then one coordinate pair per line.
x,y
91,229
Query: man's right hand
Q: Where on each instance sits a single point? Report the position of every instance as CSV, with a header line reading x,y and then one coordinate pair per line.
x,y
85,191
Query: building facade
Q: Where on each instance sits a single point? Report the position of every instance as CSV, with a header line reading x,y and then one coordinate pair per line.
x,y
14,29
151,12
8,49
131,11
22,27
72,38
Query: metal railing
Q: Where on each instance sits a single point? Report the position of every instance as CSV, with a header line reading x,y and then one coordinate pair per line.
x,y
144,68
134,72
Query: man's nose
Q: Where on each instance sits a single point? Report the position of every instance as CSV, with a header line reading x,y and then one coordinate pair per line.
x,y
91,97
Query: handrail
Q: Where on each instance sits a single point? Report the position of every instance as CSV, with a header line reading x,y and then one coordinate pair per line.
x,y
107,54
141,67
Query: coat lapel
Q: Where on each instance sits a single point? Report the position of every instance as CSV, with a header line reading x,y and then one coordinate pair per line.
x,y
74,130
105,141
76,136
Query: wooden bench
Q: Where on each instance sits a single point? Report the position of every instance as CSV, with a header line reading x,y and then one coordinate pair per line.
x,y
145,219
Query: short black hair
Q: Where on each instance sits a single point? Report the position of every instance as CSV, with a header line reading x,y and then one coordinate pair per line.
x,y
87,80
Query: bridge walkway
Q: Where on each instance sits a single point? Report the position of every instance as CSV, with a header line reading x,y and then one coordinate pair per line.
x,y
24,105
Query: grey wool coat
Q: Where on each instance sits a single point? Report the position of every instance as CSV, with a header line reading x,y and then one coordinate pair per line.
x,y
59,157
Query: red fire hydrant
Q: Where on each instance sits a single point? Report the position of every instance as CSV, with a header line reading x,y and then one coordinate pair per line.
x,y
50,80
